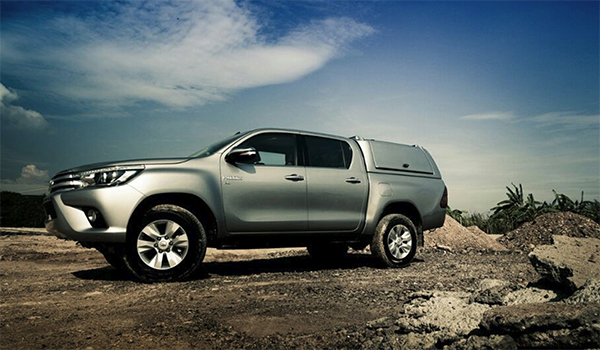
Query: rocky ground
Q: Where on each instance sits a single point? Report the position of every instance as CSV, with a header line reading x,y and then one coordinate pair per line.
x,y
58,295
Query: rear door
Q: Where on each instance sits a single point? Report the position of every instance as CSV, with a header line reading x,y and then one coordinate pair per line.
x,y
337,184
269,193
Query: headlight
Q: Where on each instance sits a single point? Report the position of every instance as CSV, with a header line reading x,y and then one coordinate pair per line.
x,y
111,176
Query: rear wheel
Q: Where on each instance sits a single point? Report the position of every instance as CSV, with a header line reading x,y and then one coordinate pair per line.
x,y
168,244
395,241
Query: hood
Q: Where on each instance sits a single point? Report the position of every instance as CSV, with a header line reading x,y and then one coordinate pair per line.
x,y
154,161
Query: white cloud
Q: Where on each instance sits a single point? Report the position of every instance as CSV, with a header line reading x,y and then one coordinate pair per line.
x,y
18,116
504,116
183,54
568,120
31,181
555,120
30,175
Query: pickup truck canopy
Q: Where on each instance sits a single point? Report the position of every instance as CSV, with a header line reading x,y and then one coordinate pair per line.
x,y
393,156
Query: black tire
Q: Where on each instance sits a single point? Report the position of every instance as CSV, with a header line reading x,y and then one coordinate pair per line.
x,y
380,245
113,255
327,252
190,226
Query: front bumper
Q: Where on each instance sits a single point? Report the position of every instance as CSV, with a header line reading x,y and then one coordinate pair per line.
x,y
66,218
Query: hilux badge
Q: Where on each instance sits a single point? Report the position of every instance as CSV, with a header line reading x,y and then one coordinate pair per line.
x,y
232,178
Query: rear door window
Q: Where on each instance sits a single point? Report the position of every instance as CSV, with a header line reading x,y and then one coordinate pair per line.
x,y
328,153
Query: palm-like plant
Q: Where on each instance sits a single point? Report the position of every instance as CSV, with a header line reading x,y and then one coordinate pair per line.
x,y
515,210
563,203
514,202
591,210
529,211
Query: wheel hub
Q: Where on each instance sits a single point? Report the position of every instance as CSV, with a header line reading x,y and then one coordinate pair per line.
x,y
399,242
162,244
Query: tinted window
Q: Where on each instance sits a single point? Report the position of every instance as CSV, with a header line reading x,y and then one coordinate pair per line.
x,y
328,153
273,149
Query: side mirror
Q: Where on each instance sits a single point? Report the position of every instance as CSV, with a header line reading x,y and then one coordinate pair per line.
x,y
241,155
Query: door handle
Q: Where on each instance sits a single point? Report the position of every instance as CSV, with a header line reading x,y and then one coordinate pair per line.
x,y
294,177
352,180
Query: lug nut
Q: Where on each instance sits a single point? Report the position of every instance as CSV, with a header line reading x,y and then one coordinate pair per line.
x,y
170,242
155,245
168,250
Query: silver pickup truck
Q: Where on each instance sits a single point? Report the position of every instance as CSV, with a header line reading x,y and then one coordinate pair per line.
x,y
264,188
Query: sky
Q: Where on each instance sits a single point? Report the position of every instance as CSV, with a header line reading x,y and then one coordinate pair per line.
x,y
498,92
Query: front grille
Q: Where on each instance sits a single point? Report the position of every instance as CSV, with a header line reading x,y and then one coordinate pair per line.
x,y
68,181
49,210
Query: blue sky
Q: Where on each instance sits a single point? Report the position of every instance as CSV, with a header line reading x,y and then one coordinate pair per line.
x,y
498,92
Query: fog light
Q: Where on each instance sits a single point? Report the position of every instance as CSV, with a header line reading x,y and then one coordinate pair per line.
x,y
92,215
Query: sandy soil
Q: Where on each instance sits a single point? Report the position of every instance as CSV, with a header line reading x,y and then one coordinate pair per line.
x,y
58,295
455,237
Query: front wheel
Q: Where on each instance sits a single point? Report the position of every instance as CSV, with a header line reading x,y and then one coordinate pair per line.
x,y
395,241
168,244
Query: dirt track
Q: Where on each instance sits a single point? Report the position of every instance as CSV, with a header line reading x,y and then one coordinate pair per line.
x,y
58,295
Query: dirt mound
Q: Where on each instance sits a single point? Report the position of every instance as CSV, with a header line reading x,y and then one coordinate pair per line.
x,y
455,237
476,230
540,230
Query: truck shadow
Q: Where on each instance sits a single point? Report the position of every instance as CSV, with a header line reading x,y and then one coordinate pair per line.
x,y
301,263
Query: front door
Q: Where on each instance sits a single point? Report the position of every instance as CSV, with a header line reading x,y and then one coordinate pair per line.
x,y
267,194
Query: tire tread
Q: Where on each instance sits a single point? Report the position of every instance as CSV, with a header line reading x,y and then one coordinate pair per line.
x,y
378,249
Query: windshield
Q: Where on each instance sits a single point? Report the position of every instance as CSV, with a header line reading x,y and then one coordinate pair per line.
x,y
217,146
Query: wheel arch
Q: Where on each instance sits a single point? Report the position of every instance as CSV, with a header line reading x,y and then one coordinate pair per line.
x,y
409,210
188,201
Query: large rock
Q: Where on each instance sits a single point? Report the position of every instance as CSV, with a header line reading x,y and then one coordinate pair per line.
x,y
417,341
500,292
491,291
478,342
589,293
529,295
569,262
577,338
546,325
447,312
